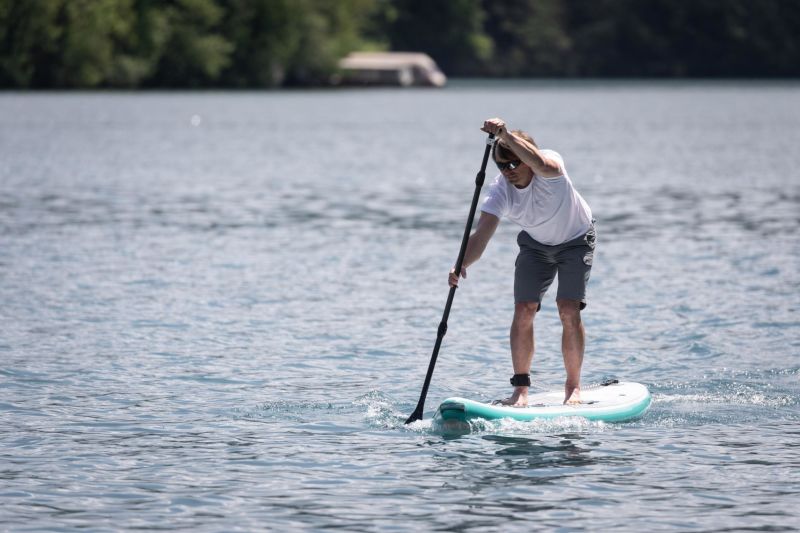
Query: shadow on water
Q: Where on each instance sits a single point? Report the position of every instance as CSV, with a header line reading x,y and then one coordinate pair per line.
x,y
526,453
522,470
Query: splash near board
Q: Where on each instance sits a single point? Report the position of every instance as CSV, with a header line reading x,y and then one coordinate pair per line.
x,y
611,401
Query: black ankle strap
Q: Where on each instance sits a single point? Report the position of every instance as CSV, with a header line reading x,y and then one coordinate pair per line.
x,y
521,380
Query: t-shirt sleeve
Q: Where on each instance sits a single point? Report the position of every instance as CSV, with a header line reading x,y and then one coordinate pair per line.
x,y
555,156
496,201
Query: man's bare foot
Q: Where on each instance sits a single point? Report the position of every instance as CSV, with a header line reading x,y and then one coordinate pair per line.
x,y
572,397
519,398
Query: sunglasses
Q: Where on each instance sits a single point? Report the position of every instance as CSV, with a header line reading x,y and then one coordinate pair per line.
x,y
508,165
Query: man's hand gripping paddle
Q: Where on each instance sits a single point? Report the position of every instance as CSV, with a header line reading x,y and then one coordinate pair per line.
x,y
417,414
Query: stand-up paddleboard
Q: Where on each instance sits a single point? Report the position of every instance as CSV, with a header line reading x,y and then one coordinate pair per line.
x,y
611,401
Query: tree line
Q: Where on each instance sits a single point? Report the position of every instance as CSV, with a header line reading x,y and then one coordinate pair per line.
x,y
273,43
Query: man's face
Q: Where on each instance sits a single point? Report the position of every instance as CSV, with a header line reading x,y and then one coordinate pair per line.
x,y
516,172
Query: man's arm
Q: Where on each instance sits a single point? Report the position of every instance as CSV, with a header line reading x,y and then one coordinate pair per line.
x,y
487,224
531,156
528,153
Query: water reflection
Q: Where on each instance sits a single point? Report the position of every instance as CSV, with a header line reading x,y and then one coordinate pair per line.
x,y
506,461
525,456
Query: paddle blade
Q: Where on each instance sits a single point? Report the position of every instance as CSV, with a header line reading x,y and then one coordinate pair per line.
x,y
416,415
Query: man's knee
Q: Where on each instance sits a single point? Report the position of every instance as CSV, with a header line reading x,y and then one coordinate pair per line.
x,y
570,312
525,309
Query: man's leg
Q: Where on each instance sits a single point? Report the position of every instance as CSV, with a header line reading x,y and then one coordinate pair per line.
x,y
572,345
522,348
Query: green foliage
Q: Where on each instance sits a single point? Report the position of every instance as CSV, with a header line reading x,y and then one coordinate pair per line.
x,y
278,42
137,55
451,31
265,36
29,36
272,43
696,38
194,53
530,37
86,49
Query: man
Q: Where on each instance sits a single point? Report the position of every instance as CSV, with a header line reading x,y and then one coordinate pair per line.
x,y
557,237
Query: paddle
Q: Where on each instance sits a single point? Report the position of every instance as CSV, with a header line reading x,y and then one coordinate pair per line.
x,y
417,414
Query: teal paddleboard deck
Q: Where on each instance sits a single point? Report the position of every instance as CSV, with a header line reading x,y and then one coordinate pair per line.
x,y
612,402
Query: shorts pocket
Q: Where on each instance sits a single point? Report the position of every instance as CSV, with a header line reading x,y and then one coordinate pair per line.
x,y
590,238
591,241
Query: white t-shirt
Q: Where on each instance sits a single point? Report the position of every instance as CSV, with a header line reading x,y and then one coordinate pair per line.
x,y
549,209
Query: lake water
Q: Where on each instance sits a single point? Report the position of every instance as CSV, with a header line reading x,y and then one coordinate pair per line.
x,y
218,310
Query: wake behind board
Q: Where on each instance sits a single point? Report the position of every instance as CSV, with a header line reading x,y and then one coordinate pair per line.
x,y
612,401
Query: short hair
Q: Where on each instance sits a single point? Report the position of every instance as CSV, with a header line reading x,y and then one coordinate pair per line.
x,y
504,152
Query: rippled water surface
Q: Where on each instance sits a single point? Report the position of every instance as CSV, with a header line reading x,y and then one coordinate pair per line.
x,y
218,309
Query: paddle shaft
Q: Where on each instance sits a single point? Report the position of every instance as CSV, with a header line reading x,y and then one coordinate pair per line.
x,y
481,176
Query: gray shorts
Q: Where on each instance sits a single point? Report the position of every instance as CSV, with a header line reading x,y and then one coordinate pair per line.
x,y
537,265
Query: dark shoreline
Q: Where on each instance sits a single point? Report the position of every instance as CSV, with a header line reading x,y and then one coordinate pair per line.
x,y
453,83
